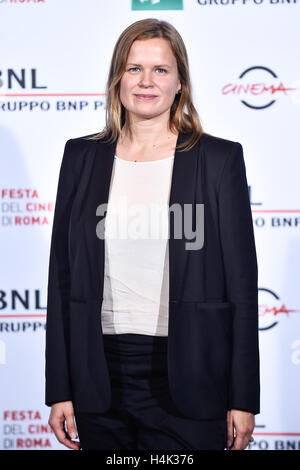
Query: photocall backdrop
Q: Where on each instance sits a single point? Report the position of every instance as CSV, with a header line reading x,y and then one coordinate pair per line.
x,y
54,60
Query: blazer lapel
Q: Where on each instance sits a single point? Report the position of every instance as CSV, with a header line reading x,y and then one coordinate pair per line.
x,y
183,191
101,180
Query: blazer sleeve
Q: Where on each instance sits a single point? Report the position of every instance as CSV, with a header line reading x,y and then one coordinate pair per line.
x,y
241,273
58,386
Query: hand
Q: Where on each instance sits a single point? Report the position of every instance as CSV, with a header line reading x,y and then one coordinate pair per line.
x,y
243,424
60,413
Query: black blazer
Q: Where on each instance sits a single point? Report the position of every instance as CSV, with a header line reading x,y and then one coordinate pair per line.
x,y
213,356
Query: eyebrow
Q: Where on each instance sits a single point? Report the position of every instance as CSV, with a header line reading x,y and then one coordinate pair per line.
x,y
160,65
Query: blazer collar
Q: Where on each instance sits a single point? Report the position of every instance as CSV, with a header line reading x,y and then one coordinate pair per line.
x,y
183,191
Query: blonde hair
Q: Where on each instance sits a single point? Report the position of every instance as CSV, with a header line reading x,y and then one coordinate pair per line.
x,y
183,115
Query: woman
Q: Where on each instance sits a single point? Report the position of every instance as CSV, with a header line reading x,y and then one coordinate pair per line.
x,y
152,342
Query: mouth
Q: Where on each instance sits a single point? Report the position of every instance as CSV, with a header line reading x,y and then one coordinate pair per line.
x,y
145,97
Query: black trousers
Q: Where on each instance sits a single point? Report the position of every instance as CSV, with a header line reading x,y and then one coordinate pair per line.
x,y
142,414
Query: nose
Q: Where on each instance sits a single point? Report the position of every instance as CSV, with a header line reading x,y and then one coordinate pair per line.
x,y
145,79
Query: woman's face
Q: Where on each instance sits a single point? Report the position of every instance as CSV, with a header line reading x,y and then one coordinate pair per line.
x,y
150,81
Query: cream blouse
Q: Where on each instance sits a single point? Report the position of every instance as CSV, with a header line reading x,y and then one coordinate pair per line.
x,y
136,278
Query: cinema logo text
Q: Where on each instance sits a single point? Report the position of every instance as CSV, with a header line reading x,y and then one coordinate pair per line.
x,y
24,2
272,309
258,88
22,207
25,429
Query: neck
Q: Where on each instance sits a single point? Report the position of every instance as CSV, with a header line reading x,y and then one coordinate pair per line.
x,y
147,132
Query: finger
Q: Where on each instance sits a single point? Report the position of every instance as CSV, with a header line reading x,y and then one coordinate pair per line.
x,y
242,440
230,431
249,439
71,427
59,431
69,442
238,444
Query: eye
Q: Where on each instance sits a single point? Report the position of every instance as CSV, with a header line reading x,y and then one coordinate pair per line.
x,y
161,70
133,69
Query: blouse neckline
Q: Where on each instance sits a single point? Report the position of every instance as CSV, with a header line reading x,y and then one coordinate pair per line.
x,y
137,163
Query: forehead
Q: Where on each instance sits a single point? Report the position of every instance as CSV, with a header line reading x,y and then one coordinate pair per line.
x,y
154,50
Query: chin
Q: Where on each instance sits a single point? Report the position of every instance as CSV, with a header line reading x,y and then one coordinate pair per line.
x,y
147,113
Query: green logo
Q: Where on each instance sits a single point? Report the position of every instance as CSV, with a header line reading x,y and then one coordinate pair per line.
x,y
157,4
